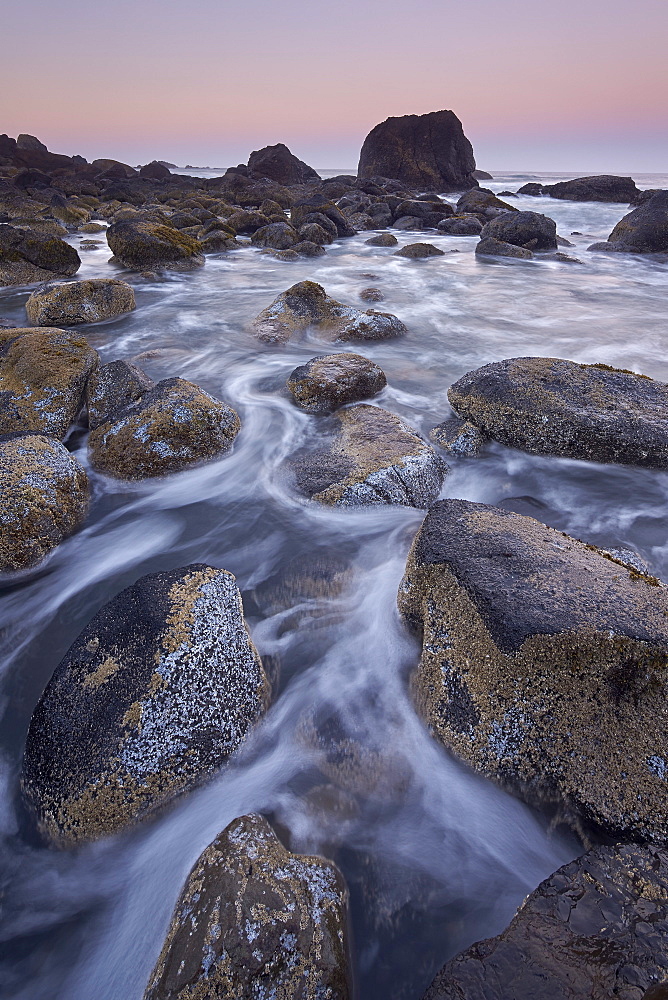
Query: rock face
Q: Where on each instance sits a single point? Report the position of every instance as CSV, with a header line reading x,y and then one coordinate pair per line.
x,y
602,187
374,458
255,921
44,498
143,245
280,165
112,387
27,256
80,302
596,928
171,426
43,374
530,230
645,230
329,381
552,407
424,151
306,304
150,700
544,664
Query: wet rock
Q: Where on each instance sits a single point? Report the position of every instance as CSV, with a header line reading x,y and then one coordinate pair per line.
x,y
314,233
254,920
408,223
308,249
491,247
530,230
80,302
602,187
457,437
306,304
112,387
548,406
278,236
372,295
151,699
417,251
383,240
645,230
594,929
30,256
142,245
44,498
423,151
543,664
482,175
317,209
168,428
280,165
218,241
461,225
483,204
431,213
92,227
532,188
328,381
374,458
43,374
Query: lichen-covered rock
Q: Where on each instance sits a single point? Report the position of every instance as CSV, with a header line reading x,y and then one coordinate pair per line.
x,y
544,664
306,304
645,230
595,929
311,232
489,247
417,251
27,256
80,302
145,244
601,187
171,426
328,381
44,498
280,165
277,236
548,406
382,240
151,699
375,457
457,437
483,204
255,921
460,225
43,375
530,230
112,387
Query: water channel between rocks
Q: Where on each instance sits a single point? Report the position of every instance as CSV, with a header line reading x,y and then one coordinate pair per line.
x,y
435,858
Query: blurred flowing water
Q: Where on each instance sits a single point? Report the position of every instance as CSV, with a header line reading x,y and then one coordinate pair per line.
x,y
434,856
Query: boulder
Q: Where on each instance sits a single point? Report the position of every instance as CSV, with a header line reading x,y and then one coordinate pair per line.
x,y
430,213
30,256
543,665
329,381
113,169
243,222
602,187
548,406
375,457
141,245
417,251
482,175
645,229
489,247
372,294
43,375
80,302
316,208
173,425
308,249
532,188
311,232
424,151
111,388
254,920
383,240
277,236
457,437
155,171
152,698
595,929
530,230
483,204
460,225
278,164
44,498
217,242
25,141
306,304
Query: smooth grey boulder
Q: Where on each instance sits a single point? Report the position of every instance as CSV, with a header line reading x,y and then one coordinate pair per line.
x,y
460,225
74,302
329,381
530,230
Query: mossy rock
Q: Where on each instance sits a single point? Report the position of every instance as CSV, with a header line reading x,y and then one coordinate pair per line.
x,y
544,665
144,244
44,498
457,437
27,256
329,381
277,236
76,302
152,698
418,251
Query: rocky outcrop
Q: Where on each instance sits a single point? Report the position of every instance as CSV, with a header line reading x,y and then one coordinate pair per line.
x,y
27,256
173,425
112,387
80,302
602,187
44,498
374,457
306,305
280,165
43,375
489,247
428,152
144,244
595,929
150,700
254,920
418,251
645,230
530,230
329,381
544,664
548,406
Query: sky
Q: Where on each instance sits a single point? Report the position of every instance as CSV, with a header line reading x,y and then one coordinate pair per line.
x,y
573,85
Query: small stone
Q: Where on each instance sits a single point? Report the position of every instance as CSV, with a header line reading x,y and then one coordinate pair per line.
x,y
372,295
416,251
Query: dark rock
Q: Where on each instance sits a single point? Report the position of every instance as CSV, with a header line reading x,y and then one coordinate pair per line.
x,y
523,229
44,498
280,165
482,175
31,178
111,388
308,249
113,169
416,251
482,203
329,381
543,664
645,229
151,699
254,920
155,171
184,220
372,295
644,196
498,248
461,225
315,209
277,236
25,141
457,437
80,302
29,256
548,406
427,211
145,245
218,241
420,150
409,223
532,188
311,232
602,187
594,929
245,222
383,240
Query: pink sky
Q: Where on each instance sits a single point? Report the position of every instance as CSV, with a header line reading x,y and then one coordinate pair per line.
x,y
575,85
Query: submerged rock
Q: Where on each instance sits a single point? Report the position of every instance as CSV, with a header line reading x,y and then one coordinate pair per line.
x,y
645,230
142,245
544,664
417,251
548,406
328,381
490,247
280,165
254,920
460,225
530,230
44,498
382,240
171,426
150,700
27,256
601,187
80,302
112,387
594,929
